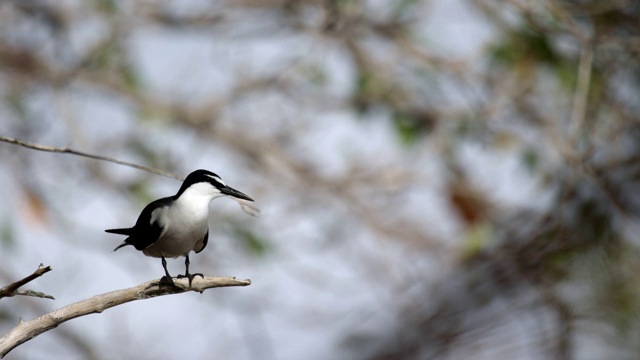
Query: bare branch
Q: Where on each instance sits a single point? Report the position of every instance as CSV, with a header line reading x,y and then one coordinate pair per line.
x,y
11,289
246,206
66,150
29,329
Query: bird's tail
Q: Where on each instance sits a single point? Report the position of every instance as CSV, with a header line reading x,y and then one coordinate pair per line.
x,y
124,243
127,231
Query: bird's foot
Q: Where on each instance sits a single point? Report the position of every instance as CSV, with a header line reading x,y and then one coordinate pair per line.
x,y
190,277
167,280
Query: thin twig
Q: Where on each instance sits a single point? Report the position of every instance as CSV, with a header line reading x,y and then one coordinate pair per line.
x,y
66,150
32,293
29,329
10,290
581,94
250,209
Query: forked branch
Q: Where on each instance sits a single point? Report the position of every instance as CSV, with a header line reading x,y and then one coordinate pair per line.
x,y
27,330
12,289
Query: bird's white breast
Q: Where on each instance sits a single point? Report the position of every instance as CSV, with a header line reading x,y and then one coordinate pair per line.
x,y
185,224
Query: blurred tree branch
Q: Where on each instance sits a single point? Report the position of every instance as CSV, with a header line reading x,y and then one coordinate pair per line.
x,y
66,150
27,330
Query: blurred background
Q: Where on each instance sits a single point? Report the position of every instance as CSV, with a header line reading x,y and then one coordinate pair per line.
x,y
438,179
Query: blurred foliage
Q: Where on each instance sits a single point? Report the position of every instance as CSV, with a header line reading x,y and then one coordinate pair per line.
x,y
556,87
525,46
251,241
141,192
7,236
411,126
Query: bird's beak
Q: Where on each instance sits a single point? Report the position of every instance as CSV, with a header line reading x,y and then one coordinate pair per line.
x,y
227,190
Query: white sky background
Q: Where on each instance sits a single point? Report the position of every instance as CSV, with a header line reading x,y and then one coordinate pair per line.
x,y
306,295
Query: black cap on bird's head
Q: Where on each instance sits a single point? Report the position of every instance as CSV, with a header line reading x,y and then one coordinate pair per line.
x,y
200,176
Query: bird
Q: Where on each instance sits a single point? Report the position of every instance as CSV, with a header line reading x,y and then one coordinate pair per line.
x,y
174,226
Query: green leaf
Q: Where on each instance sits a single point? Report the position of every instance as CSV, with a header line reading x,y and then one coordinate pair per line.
x,y
411,126
524,45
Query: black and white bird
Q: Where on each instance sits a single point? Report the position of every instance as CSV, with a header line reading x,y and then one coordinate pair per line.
x,y
174,226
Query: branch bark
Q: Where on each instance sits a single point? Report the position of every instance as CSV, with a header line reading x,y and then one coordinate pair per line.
x,y
27,330
12,289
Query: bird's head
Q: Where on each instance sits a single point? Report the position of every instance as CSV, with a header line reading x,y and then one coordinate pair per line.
x,y
208,183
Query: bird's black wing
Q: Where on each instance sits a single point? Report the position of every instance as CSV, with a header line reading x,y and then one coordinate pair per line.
x,y
146,231
205,240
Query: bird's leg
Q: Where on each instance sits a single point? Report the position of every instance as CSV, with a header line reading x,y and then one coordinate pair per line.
x,y
167,278
187,275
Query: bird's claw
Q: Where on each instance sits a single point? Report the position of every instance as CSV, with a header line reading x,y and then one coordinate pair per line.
x,y
166,280
190,277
